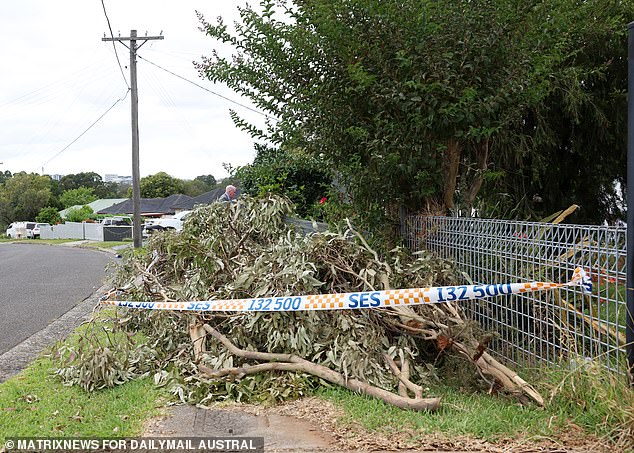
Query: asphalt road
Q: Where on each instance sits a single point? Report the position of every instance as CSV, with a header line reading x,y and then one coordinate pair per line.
x,y
39,283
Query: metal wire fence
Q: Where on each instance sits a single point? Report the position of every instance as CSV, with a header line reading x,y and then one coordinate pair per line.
x,y
534,329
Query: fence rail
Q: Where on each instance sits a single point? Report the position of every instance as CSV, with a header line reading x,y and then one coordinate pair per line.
x,y
534,329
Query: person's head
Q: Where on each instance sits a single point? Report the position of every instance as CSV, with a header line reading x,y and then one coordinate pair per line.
x,y
231,191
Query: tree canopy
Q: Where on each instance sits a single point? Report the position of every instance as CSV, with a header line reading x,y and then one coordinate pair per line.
x,y
23,196
80,196
421,103
293,173
160,185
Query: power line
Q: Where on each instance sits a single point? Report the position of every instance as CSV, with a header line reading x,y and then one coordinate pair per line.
x,y
113,44
87,129
208,90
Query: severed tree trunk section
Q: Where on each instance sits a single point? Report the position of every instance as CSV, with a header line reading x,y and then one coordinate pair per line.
x,y
291,362
487,366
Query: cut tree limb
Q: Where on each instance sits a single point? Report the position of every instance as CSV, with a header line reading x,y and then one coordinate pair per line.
x,y
487,365
403,377
291,362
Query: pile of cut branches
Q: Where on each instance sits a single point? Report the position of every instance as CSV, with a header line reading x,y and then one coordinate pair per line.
x,y
246,250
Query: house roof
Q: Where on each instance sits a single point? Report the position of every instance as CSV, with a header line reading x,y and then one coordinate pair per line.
x,y
149,206
96,206
163,206
205,198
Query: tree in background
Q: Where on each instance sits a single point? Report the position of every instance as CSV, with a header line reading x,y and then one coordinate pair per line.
x,y
49,215
293,173
90,180
80,214
23,196
209,180
572,146
199,185
421,103
160,185
4,176
80,196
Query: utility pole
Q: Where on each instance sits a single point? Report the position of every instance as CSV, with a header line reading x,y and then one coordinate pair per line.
x,y
134,101
629,310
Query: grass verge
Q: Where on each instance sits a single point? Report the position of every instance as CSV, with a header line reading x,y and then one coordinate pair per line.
x,y
36,404
588,401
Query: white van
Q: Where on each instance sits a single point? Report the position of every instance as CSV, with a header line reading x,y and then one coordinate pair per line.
x,y
18,230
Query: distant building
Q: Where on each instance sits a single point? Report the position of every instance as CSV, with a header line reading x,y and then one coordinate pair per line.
x,y
56,177
118,179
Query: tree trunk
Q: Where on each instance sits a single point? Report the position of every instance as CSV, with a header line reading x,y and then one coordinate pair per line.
x,y
482,154
451,164
291,362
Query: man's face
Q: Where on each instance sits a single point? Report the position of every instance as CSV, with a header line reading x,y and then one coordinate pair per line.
x,y
231,192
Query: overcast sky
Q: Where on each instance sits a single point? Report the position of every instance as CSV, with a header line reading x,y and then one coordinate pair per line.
x,y
57,77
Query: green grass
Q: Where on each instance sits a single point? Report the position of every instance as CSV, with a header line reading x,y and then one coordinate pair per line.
x,y
477,415
37,241
52,241
590,398
104,244
36,404
107,244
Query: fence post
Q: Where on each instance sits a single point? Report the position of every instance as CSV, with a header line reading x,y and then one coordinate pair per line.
x,y
629,322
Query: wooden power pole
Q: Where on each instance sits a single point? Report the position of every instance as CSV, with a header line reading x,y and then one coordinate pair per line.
x,y
136,176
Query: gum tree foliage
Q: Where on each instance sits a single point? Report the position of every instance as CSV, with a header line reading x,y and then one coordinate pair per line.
x,y
293,173
416,102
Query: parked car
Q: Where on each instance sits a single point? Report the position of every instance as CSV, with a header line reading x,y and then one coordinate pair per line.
x,y
168,223
34,233
117,221
16,230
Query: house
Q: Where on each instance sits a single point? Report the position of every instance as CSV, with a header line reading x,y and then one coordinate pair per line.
x,y
159,207
96,206
150,207
205,198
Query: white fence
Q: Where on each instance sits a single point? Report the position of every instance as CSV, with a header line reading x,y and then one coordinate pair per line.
x,y
86,231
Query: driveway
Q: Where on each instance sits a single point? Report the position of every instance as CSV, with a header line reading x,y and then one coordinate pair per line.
x,y
39,283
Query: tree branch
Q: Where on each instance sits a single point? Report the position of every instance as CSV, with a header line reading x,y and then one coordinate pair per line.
x,y
291,362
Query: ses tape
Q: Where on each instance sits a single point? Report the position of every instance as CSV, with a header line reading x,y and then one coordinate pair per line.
x,y
368,299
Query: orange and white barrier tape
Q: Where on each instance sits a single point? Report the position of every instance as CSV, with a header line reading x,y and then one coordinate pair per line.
x,y
367,299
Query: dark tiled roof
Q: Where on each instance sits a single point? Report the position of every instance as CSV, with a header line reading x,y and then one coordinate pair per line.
x,y
205,198
166,205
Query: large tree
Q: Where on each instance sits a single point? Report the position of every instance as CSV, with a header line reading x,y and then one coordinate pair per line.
x,y
90,180
23,196
411,101
571,148
79,196
160,185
